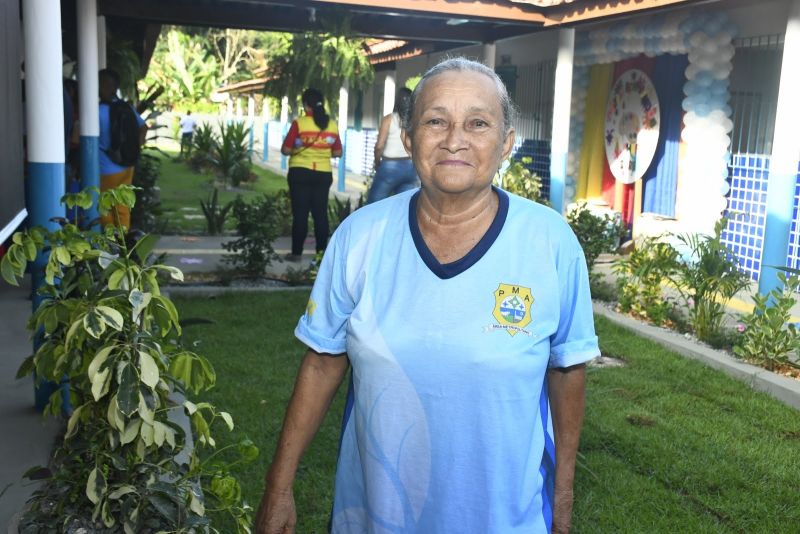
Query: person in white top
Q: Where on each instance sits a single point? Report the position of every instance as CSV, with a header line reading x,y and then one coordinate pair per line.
x,y
187,131
394,171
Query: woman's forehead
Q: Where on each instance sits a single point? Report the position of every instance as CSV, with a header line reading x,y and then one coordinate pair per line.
x,y
462,89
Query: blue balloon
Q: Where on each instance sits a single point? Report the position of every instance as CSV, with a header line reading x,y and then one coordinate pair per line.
x,y
704,78
692,88
687,104
702,109
728,110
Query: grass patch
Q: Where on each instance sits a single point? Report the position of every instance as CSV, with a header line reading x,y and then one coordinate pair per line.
x,y
669,445
181,188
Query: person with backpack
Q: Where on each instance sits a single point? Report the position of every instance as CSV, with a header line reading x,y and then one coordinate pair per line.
x,y
122,134
312,141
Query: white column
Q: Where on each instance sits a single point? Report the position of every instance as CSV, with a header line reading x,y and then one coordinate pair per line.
x,y
389,89
489,54
239,108
229,108
44,92
88,98
562,98
784,161
88,58
344,92
284,110
101,42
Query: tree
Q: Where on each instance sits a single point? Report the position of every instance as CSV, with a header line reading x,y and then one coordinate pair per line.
x,y
323,61
183,66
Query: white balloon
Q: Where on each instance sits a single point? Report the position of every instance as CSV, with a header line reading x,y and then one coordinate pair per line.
x,y
727,125
724,188
698,39
722,71
691,71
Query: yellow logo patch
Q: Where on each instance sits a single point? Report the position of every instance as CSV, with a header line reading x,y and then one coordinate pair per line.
x,y
311,307
512,308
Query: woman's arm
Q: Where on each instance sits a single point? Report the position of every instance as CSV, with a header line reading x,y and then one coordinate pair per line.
x,y
287,148
383,133
566,392
317,381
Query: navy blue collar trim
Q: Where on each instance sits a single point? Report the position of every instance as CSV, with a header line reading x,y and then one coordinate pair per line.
x,y
449,270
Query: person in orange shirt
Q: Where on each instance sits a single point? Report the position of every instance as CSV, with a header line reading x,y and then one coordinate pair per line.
x,y
312,141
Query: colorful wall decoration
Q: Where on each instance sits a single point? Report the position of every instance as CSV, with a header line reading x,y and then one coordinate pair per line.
x,y
693,187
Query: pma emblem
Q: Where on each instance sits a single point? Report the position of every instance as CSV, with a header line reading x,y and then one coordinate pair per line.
x,y
512,308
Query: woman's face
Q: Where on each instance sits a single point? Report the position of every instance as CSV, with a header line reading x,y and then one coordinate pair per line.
x,y
458,141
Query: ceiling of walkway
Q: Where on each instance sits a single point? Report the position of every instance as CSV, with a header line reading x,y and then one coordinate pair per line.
x,y
446,21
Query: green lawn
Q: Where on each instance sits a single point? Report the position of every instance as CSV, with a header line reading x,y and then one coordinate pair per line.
x,y
182,189
668,444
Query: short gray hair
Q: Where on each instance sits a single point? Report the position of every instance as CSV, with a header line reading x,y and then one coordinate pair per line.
x,y
462,64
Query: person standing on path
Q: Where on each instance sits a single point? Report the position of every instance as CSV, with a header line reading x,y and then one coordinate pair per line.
x,y
188,125
122,133
312,141
394,171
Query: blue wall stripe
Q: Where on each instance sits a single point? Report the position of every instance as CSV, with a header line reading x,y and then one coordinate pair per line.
x,y
90,170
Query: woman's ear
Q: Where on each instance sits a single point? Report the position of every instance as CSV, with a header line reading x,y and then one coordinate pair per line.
x,y
407,144
508,143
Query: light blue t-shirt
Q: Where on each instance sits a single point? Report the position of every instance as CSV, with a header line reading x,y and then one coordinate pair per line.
x,y
447,425
104,142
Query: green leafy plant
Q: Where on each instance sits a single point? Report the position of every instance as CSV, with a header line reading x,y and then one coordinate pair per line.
x,y
769,339
204,146
124,465
144,214
597,234
639,278
707,280
519,180
257,224
306,276
283,212
338,210
231,156
215,214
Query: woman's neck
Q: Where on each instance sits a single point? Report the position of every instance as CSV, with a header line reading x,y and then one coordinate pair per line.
x,y
451,227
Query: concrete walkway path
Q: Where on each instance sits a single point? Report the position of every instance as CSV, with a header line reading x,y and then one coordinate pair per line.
x,y
27,438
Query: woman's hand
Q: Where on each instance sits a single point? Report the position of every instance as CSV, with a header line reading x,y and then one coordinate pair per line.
x,y
276,514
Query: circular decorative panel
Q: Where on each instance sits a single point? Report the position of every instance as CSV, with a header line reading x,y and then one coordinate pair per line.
x,y
632,123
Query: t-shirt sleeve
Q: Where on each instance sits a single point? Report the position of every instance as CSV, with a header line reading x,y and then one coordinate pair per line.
x,y
575,341
323,325
139,118
337,143
291,137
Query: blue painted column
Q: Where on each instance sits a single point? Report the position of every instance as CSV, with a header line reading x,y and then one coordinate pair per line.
x,y
284,159
44,96
784,160
562,97
88,53
266,141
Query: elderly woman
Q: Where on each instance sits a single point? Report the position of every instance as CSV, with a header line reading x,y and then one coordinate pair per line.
x,y
465,315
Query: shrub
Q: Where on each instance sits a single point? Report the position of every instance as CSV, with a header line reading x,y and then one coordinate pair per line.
x,y
204,146
707,280
104,324
519,180
232,155
283,212
148,202
768,338
215,214
596,234
257,224
338,210
639,279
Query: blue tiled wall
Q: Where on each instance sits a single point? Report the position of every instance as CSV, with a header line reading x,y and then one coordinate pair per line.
x,y
747,209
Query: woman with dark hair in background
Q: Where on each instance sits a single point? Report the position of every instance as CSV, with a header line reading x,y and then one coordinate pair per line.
x,y
394,171
311,142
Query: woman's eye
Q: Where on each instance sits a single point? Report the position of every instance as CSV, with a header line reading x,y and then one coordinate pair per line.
x,y
478,124
436,123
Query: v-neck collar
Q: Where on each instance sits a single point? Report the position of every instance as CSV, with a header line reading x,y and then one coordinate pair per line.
x,y
449,270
